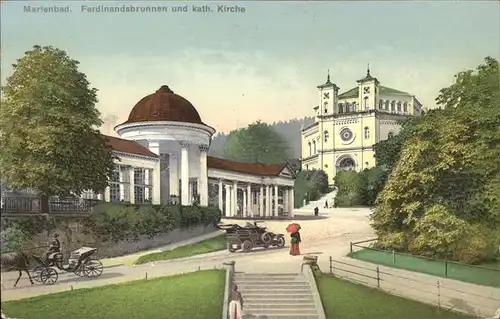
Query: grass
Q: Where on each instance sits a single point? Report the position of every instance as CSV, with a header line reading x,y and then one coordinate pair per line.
x,y
194,295
487,275
345,300
206,246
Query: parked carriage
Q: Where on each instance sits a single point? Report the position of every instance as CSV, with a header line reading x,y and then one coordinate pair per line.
x,y
250,236
81,264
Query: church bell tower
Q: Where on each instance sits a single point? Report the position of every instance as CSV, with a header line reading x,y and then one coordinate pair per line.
x,y
328,93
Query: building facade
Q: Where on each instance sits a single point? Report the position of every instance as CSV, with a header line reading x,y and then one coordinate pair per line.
x,y
347,125
162,158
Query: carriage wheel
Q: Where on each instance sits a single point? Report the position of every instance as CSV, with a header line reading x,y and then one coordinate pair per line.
x,y
280,242
247,246
37,271
92,268
49,276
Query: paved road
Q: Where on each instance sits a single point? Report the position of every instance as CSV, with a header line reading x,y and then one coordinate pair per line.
x,y
326,236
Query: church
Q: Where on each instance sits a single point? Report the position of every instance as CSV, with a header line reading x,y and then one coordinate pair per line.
x,y
163,158
347,125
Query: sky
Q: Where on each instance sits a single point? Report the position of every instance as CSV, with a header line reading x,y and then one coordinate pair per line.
x,y
261,64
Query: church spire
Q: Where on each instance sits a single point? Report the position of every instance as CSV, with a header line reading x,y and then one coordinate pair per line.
x,y
368,71
328,77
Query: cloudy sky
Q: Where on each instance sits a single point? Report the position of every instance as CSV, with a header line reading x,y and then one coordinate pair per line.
x,y
264,63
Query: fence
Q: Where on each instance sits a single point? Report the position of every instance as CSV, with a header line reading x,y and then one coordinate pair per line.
x,y
443,268
474,300
32,205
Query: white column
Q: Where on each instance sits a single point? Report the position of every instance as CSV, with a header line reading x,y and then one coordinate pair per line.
x,y
121,179
276,196
285,200
185,200
107,194
244,203
220,195
227,213
261,201
268,200
147,182
203,180
132,188
291,199
249,211
173,166
235,198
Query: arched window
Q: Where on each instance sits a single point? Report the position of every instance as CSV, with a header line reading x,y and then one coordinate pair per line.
x,y
326,136
341,107
405,107
399,106
387,105
310,149
393,106
367,133
391,134
366,103
314,147
380,105
326,106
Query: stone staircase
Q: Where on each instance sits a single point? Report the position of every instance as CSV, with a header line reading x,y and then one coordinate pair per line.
x,y
276,296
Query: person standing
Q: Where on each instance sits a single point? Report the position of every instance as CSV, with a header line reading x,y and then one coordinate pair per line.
x,y
235,304
326,204
295,241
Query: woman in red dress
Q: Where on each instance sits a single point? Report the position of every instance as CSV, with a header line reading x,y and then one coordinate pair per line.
x,y
295,241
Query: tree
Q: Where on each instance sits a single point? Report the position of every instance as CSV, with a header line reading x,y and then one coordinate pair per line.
x,y
50,141
443,196
258,143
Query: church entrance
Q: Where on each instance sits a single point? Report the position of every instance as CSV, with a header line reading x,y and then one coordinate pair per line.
x,y
346,164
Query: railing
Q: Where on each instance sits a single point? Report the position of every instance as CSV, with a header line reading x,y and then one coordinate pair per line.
x,y
32,205
481,275
475,300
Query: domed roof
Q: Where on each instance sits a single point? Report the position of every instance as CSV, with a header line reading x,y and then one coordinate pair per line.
x,y
164,105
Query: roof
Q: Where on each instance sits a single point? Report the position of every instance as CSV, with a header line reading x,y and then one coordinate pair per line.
x,y
128,146
354,92
164,105
244,167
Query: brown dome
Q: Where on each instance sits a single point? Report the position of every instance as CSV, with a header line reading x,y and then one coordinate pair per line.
x,y
164,105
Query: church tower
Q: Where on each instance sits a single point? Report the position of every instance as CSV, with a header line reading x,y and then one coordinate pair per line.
x,y
368,92
328,94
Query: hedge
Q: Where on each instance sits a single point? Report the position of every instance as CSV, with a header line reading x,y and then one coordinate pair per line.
x,y
114,222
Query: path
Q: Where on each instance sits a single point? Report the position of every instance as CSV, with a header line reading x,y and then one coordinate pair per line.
x,y
319,236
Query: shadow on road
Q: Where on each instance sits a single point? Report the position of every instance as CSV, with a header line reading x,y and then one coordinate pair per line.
x,y
309,217
82,279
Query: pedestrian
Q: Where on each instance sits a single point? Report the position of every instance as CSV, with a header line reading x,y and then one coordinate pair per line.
x,y
235,304
326,203
316,211
295,242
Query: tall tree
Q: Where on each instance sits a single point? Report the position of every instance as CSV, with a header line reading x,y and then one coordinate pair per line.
x,y
443,196
50,140
258,142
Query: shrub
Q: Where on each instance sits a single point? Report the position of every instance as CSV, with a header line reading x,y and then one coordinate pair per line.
x,y
12,239
310,185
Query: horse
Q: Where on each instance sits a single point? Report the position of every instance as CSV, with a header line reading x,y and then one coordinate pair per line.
x,y
16,261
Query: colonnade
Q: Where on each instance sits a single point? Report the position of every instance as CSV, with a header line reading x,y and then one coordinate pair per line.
x,y
257,199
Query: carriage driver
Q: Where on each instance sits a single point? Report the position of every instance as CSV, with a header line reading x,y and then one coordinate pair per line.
x,y
55,246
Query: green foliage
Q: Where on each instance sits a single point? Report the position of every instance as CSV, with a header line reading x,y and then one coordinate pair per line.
x,y
309,185
30,226
359,189
443,194
49,122
12,239
387,152
259,142
116,222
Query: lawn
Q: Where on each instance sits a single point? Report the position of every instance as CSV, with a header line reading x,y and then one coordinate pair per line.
x,y
345,300
194,295
486,275
206,246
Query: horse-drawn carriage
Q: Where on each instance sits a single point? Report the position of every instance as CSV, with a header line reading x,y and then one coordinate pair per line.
x,y
81,264
249,236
